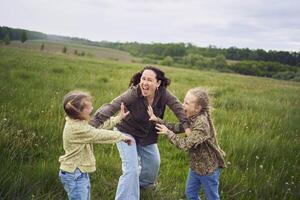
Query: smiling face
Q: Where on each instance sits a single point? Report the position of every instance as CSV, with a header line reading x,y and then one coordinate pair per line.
x,y
190,105
149,83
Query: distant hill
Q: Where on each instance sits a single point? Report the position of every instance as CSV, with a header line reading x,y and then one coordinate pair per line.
x,y
160,50
77,50
15,34
258,62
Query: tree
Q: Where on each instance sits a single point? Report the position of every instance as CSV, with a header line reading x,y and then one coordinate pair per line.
x,y
167,61
23,36
64,50
7,39
220,61
42,47
190,59
287,75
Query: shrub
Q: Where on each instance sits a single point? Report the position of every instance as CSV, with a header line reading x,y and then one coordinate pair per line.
x,y
42,47
287,75
168,60
64,50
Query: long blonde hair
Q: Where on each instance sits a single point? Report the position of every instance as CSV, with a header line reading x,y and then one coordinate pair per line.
x,y
203,100
74,104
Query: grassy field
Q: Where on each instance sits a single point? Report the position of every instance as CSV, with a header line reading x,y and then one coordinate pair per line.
x,y
257,120
89,51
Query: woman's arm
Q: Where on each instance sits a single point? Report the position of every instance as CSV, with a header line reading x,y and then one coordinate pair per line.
x,y
113,121
175,105
108,110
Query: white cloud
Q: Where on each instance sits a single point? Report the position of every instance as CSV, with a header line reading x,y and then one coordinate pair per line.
x,y
268,24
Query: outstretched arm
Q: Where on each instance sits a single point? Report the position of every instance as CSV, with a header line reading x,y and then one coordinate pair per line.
x,y
198,135
175,127
108,110
113,121
88,134
175,105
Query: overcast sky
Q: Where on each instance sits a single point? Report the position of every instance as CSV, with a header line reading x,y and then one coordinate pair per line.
x,y
266,24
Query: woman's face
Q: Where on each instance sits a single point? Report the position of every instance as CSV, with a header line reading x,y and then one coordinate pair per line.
x,y
149,83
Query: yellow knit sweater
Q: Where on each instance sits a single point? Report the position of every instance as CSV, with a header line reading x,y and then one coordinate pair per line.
x,y
78,137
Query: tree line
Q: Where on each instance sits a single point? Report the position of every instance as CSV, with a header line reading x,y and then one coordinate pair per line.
x,y
258,62
160,50
8,34
272,64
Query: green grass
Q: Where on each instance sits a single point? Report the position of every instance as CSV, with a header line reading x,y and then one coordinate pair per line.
x,y
90,51
257,120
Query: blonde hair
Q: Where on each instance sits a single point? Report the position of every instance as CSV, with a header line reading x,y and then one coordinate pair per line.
x,y
74,104
202,99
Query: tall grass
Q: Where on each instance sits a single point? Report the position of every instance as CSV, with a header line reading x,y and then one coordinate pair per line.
x,y
257,120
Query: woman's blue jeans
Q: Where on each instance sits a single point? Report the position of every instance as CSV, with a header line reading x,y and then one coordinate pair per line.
x,y
140,166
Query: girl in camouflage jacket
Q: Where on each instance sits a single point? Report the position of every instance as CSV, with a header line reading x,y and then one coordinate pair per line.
x,y
206,157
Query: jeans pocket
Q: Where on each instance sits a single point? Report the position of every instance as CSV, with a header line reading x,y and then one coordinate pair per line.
x,y
79,175
66,176
61,174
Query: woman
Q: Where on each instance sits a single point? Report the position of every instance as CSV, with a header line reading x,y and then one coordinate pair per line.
x,y
147,88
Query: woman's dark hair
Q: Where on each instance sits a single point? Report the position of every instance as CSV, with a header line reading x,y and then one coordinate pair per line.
x,y
160,76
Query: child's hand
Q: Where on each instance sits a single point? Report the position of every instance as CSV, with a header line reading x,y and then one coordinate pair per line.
x,y
151,114
162,129
128,140
122,113
188,131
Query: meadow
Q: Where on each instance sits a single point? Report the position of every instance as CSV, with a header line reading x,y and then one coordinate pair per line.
x,y
257,120
56,47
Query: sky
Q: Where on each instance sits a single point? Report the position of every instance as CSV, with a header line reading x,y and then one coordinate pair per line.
x,y
256,24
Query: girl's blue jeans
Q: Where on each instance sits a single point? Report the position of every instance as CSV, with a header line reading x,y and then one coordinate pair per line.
x,y
209,182
140,166
76,184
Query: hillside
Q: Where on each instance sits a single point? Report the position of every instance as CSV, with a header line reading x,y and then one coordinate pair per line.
x,y
74,49
281,65
257,120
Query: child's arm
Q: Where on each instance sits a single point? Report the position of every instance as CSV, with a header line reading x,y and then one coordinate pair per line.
x,y
110,123
113,121
85,134
108,110
199,133
175,127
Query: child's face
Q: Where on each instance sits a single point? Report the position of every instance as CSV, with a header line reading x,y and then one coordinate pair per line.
x,y
88,107
190,105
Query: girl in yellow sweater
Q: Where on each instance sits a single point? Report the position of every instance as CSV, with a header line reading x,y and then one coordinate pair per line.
x,y
78,137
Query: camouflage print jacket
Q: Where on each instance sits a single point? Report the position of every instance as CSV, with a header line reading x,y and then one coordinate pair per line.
x,y
204,153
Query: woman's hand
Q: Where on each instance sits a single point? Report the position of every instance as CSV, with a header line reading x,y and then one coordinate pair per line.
x,y
122,113
128,140
151,114
163,130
